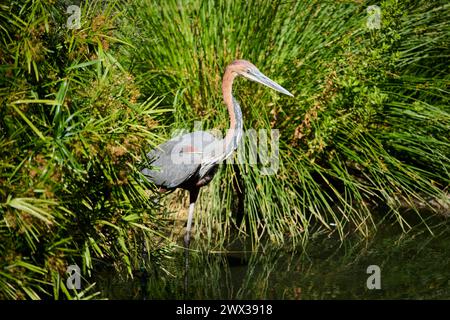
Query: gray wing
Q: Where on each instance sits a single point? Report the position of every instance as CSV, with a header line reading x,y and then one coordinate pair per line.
x,y
178,159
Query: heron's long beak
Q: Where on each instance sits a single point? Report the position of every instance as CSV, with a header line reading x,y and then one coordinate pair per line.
x,y
261,78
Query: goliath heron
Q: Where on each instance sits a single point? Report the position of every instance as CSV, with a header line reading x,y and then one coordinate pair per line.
x,y
190,161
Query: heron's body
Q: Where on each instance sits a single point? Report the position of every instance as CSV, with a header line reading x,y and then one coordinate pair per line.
x,y
190,161
187,173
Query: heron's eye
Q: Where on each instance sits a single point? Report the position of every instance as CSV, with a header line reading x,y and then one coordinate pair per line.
x,y
249,70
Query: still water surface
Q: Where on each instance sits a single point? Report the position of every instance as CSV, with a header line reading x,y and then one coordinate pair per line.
x,y
412,266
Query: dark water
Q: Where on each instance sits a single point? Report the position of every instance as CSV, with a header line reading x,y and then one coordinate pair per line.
x,y
412,266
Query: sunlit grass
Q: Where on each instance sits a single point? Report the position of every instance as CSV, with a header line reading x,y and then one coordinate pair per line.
x,y
368,125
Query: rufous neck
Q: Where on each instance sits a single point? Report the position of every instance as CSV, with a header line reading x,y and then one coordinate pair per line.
x,y
234,133
227,84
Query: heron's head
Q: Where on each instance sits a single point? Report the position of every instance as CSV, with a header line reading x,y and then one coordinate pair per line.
x,y
248,70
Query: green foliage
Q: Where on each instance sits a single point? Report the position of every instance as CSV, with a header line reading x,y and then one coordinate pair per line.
x,y
367,131
72,128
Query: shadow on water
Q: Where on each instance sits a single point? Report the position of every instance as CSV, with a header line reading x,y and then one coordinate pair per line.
x,y
412,266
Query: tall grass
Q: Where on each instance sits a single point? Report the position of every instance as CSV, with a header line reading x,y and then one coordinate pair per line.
x,y
369,124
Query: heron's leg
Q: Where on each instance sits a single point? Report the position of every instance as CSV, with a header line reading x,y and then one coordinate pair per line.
x,y
187,235
193,198
186,268
186,249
